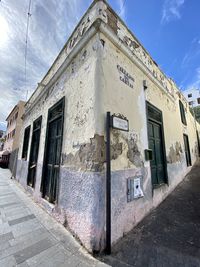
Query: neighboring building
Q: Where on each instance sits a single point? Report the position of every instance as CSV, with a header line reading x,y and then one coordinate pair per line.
x,y
193,97
2,133
62,156
2,139
12,138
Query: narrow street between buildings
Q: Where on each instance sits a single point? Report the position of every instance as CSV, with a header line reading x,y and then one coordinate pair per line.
x,y
170,235
30,237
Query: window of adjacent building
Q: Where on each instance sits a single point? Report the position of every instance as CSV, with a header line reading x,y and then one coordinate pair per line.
x,y
26,142
191,103
187,150
198,100
182,112
13,133
189,95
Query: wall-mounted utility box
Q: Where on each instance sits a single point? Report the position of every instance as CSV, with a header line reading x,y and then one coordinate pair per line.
x,y
148,154
134,188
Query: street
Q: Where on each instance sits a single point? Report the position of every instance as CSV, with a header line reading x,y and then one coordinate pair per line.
x,y
167,237
30,237
170,235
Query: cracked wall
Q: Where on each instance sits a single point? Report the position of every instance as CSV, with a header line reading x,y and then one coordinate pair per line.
x,y
93,84
129,161
83,151
175,152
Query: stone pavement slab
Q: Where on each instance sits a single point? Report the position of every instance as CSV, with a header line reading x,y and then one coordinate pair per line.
x,y
31,237
169,236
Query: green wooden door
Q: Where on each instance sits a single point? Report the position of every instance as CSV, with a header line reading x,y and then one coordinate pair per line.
x,y
34,152
53,152
156,144
187,150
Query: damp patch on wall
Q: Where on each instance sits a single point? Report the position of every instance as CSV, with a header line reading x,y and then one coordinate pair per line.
x,y
175,152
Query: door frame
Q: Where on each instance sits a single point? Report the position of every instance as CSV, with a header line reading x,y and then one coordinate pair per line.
x,y
198,143
38,119
188,163
148,118
62,100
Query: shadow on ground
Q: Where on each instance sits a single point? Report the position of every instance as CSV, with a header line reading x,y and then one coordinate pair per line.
x,y
169,236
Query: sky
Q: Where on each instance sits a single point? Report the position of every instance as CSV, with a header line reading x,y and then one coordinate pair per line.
x,y
168,29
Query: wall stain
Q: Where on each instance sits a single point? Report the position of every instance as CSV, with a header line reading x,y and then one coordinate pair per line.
x,y
175,152
133,153
196,149
116,145
92,156
112,20
82,117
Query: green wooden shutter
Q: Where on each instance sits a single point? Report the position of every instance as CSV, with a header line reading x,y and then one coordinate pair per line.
x,y
182,111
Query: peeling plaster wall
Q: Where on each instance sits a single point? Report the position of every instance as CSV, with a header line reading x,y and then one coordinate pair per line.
x,y
120,98
82,190
92,86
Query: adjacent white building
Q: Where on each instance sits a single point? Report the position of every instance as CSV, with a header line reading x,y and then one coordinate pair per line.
x,y
192,96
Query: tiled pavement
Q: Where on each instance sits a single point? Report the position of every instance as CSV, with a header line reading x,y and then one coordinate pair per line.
x,y
30,237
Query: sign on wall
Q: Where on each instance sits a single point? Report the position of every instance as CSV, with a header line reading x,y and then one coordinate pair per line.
x,y
134,188
125,77
119,122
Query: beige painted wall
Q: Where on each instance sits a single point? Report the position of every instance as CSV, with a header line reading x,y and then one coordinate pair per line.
x,y
77,201
117,97
13,143
77,85
90,81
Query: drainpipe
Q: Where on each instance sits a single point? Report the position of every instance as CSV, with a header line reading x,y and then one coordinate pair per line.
x,y
108,186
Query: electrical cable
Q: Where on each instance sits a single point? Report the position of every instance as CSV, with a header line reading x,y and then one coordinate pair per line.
x,y
26,45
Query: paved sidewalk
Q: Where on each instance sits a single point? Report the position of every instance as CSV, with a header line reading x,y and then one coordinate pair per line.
x,y
30,237
169,236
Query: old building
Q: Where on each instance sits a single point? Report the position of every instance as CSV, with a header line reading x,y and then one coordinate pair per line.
x,y
1,133
192,96
2,139
62,158
12,138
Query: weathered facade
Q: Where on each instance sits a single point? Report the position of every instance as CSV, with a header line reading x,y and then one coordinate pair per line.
x,y
193,97
12,138
14,124
62,160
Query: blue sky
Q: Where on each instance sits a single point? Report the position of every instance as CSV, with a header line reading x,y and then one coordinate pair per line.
x,y
168,29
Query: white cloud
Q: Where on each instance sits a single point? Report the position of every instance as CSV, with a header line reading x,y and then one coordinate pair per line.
x,y
51,23
196,81
192,54
171,10
122,8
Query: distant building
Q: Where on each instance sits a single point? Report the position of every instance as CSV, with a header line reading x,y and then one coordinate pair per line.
x,y
14,125
193,97
1,133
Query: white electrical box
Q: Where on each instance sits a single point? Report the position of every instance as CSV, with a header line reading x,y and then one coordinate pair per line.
x,y
134,188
